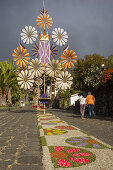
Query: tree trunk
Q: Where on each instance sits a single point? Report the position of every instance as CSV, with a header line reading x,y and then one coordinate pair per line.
x,y
9,96
3,99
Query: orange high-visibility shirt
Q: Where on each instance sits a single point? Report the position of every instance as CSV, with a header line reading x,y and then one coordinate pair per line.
x,y
90,99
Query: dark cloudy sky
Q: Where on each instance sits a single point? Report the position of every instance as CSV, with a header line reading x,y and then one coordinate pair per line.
x,y
89,23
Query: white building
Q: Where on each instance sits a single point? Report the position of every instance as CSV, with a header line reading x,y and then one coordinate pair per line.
x,y
73,99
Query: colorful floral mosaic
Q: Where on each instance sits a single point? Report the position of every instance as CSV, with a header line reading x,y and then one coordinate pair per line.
x,y
57,121
45,119
49,123
54,131
87,142
46,115
65,127
65,157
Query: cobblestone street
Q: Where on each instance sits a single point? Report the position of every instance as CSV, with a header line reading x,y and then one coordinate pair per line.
x,y
19,140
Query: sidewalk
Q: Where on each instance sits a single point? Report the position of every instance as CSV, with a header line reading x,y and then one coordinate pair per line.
x,y
66,146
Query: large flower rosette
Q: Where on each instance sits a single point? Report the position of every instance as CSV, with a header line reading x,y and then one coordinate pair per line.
x,y
44,21
53,68
68,59
28,34
64,80
25,79
36,67
59,36
21,56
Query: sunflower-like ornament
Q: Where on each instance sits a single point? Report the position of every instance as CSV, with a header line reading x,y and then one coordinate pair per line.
x,y
29,34
53,68
68,59
44,20
35,50
53,51
64,80
21,56
59,36
25,79
36,68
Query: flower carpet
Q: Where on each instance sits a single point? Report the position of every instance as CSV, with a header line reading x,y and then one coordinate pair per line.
x,y
68,147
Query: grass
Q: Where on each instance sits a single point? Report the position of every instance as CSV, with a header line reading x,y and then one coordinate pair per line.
x,y
7,107
43,140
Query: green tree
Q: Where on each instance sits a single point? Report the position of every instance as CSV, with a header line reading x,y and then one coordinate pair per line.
x,y
88,71
8,79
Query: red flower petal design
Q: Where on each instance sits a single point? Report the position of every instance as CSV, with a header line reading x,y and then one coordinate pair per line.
x,y
58,149
73,150
80,160
81,154
71,128
64,162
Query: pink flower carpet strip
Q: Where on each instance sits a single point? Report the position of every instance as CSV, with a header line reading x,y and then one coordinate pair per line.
x,y
68,147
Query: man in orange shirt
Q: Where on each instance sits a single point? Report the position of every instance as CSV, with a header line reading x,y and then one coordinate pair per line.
x,y
90,101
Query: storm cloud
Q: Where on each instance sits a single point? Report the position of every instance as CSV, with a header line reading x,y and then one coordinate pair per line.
x,y
89,24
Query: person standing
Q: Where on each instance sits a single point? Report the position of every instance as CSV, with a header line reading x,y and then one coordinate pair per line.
x,y
90,101
82,101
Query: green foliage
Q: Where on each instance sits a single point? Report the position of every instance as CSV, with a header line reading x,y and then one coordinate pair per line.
x,y
110,62
87,73
8,79
66,94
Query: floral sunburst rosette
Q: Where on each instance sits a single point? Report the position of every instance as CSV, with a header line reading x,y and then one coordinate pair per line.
x,y
29,34
53,51
59,36
35,50
25,79
64,80
21,56
36,67
53,68
68,59
44,21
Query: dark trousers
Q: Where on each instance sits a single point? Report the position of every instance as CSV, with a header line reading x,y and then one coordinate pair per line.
x,y
91,109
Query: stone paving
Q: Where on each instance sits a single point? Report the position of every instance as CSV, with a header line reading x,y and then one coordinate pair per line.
x,y
59,132
20,147
67,146
100,127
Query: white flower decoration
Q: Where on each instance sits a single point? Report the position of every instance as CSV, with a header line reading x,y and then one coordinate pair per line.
x,y
53,68
59,36
64,80
29,34
25,79
36,68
